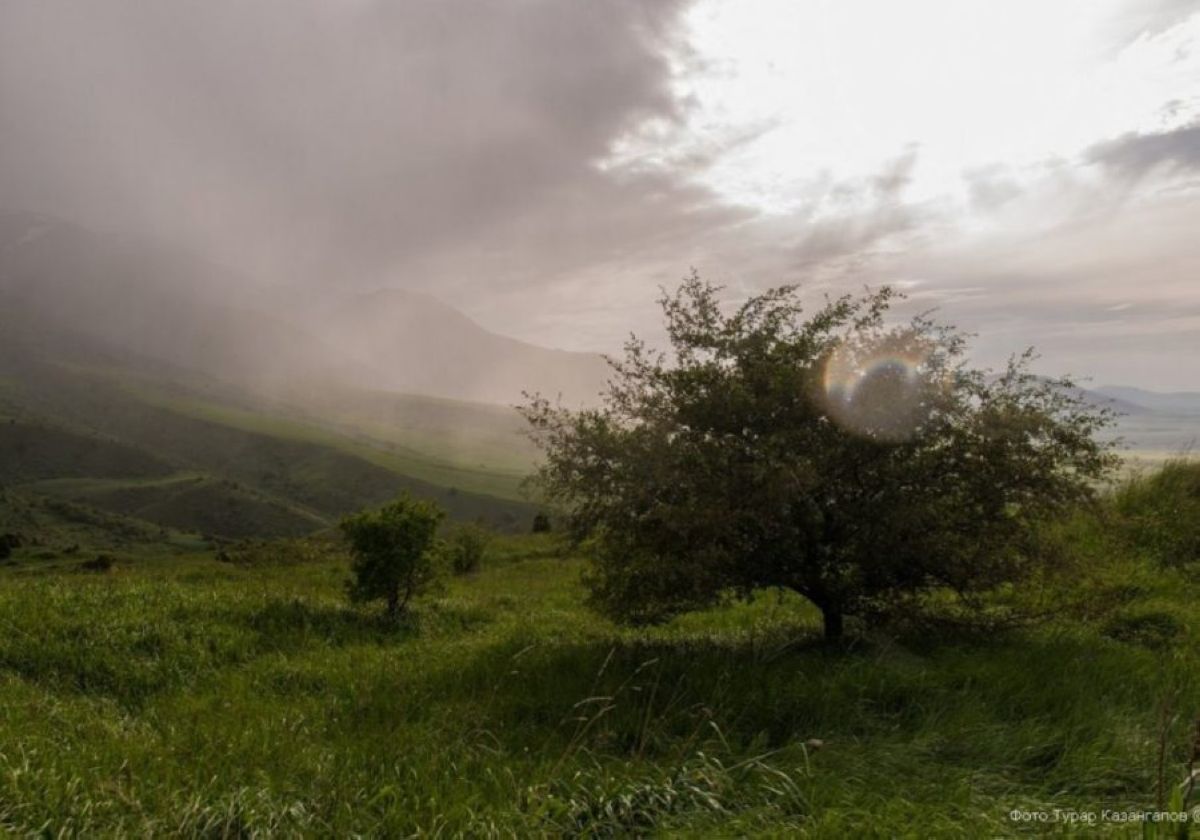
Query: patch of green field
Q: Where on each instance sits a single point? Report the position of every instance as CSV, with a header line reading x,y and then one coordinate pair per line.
x,y
318,478
33,452
189,502
184,696
472,435
382,451
59,529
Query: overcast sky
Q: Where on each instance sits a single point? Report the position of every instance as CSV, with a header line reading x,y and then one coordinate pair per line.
x,y
1032,168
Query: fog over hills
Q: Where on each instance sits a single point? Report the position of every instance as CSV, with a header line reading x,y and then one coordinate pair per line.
x,y
412,342
161,305
167,305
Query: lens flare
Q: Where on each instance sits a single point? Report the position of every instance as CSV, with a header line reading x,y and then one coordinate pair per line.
x,y
882,389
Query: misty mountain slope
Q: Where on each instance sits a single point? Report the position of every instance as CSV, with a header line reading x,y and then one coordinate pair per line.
x,y
70,383
415,343
473,447
156,303
322,479
173,307
477,436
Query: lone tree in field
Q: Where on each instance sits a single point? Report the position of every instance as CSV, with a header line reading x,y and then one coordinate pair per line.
x,y
392,550
862,465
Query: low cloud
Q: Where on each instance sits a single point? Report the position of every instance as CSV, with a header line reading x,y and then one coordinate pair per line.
x,y
1133,155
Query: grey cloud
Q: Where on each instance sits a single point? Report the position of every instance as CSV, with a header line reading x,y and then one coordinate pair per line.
x,y
1110,294
1138,18
869,212
1135,155
895,177
305,140
990,187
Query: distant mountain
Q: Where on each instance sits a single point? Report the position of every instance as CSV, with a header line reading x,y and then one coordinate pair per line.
x,y
1113,402
1180,402
167,305
415,343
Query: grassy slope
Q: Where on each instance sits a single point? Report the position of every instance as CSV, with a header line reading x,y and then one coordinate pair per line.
x,y
187,502
32,452
281,465
472,435
203,698
83,411
62,530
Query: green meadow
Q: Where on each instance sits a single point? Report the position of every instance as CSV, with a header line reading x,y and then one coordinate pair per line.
x,y
181,691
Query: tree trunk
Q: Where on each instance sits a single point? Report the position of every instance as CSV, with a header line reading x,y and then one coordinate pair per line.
x,y
834,624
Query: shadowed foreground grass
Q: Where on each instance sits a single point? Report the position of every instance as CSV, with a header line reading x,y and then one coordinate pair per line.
x,y
184,696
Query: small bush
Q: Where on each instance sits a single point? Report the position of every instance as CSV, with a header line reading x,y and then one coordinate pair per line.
x,y
541,523
392,551
1152,629
102,563
465,548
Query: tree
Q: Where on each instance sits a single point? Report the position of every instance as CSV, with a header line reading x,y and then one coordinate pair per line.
x,y
392,550
862,465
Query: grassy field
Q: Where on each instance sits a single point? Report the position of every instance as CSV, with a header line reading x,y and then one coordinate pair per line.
x,y
176,694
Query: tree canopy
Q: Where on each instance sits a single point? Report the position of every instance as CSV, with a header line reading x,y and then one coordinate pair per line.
x,y
863,464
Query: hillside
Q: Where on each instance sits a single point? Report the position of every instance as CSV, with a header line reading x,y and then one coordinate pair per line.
x,y
82,423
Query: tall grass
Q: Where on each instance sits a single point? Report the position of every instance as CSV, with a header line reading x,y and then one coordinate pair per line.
x,y
182,696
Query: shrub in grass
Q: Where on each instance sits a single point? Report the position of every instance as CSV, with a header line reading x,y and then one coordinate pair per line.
x,y
465,547
1152,628
541,523
101,563
392,549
